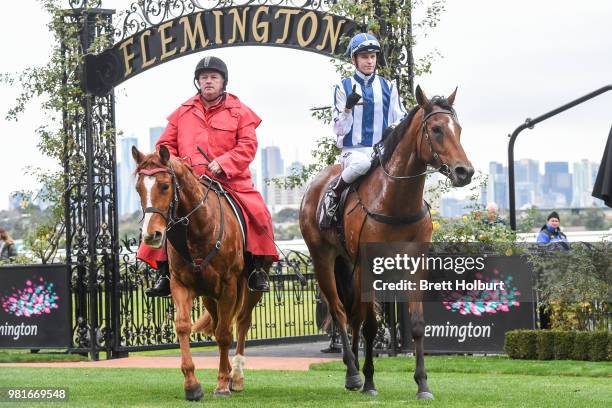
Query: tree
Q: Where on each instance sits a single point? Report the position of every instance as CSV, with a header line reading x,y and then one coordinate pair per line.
x,y
56,85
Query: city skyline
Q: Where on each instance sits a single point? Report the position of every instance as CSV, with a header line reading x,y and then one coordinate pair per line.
x,y
533,64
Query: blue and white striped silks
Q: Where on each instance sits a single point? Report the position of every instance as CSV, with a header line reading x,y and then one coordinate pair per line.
x,y
382,107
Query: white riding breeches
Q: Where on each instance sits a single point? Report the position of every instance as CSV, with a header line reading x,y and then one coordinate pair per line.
x,y
354,164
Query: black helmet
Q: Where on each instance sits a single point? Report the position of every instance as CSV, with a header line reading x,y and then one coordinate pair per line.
x,y
211,63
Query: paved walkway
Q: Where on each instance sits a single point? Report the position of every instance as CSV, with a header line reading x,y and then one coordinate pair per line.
x,y
295,357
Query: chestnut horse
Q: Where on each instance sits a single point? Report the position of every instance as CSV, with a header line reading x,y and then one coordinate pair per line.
x,y
387,206
211,263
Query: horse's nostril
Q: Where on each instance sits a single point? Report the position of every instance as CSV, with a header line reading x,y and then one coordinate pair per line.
x,y
157,235
463,172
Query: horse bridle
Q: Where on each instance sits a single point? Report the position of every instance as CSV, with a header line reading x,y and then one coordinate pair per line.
x,y
444,169
172,219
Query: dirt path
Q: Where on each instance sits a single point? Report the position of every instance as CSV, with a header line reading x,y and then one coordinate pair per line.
x,y
254,363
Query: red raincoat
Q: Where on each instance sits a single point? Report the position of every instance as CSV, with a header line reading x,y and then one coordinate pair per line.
x,y
226,132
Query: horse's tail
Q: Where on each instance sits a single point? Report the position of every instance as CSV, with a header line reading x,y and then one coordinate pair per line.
x,y
204,325
344,285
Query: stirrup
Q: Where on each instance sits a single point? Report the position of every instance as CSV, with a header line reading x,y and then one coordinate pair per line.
x,y
265,287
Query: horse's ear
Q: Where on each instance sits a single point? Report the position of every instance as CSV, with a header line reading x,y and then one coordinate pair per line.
x,y
422,100
164,154
137,155
451,98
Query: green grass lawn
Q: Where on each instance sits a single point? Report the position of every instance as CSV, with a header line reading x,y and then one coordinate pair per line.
x,y
485,365
522,383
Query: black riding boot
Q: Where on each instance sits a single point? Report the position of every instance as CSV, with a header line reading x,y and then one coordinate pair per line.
x,y
258,279
331,202
162,286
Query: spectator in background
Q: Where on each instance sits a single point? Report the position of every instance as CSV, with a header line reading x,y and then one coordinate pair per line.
x,y
8,251
550,233
493,217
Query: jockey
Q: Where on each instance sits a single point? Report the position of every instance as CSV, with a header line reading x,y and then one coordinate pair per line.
x,y
224,127
358,127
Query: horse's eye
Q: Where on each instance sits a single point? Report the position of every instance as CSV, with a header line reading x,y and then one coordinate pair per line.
x,y
165,186
437,130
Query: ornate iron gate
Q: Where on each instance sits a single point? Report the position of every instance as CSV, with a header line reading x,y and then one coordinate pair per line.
x,y
110,312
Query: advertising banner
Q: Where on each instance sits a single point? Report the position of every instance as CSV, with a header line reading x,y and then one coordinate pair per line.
x,y
34,306
470,298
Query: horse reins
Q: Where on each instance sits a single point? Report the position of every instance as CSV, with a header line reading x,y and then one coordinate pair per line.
x,y
411,218
434,153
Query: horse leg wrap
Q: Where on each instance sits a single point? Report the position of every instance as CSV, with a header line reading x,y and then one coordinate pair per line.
x,y
237,374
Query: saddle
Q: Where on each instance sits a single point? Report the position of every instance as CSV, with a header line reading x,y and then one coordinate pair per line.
x,y
218,188
337,220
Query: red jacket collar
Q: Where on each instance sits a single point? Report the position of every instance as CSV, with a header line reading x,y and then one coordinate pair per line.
x,y
231,101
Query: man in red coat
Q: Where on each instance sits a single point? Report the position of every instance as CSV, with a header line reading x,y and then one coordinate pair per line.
x,y
224,128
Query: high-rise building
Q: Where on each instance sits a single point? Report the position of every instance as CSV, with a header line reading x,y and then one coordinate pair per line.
x,y
497,187
557,184
294,168
585,173
271,166
154,134
128,198
527,183
453,207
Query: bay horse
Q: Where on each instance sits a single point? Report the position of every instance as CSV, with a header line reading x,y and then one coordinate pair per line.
x,y
386,206
206,259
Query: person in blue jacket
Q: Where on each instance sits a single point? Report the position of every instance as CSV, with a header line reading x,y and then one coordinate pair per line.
x,y
551,233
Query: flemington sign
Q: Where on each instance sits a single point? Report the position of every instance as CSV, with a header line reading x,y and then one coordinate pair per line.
x,y
290,27
34,306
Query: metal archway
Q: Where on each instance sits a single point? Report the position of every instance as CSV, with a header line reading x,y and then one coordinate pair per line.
x,y
110,312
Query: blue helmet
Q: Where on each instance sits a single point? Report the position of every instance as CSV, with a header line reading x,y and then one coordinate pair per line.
x,y
362,42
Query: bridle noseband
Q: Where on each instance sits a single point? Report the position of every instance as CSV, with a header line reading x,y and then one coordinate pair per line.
x,y
444,169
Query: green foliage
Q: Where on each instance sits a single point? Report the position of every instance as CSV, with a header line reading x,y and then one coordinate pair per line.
x,y
563,344
574,283
286,215
581,346
471,227
56,87
287,232
545,341
520,344
558,345
598,346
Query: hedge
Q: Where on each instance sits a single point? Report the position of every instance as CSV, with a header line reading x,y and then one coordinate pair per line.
x,y
559,345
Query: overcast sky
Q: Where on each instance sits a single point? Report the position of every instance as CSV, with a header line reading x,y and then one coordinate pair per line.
x,y
510,59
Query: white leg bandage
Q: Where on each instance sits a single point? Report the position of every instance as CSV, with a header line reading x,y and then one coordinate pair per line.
x,y
238,363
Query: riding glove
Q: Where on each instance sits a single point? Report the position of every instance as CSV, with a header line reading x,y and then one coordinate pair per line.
x,y
352,99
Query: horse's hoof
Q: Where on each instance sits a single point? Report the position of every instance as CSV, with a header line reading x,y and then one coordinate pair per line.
x,y
353,383
236,385
424,396
222,393
371,392
195,394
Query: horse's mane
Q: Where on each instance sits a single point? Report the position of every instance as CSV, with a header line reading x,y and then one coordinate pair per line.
x,y
154,160
390,143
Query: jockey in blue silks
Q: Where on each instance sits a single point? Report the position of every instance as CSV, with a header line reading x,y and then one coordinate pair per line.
x,y
359,126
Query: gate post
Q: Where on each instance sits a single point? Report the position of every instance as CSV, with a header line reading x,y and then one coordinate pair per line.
x,y
90,195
